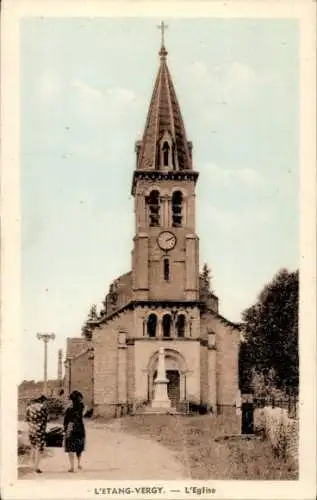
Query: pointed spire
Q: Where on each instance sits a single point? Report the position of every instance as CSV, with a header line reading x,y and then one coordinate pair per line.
x,y
164,125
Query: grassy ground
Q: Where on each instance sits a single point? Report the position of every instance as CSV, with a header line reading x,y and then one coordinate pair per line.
x,y
193,439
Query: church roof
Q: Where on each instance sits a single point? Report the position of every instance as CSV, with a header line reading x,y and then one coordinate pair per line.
x,y
164,116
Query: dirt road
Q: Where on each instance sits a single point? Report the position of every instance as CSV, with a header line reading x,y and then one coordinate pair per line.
x,y
112,455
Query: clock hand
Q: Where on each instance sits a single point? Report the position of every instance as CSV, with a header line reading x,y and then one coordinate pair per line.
x,y
169,239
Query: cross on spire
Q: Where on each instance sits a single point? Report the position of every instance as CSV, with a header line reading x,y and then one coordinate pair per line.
x,y
162,27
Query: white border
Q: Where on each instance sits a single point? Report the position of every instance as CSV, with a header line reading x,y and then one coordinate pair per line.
x,y
12,11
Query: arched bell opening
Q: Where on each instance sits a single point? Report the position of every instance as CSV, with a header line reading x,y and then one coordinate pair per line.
x,y
180,325
152,325
153,204
167,325
177,209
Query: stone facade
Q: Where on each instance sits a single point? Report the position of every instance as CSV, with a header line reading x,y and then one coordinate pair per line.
x,y
79,369
163,301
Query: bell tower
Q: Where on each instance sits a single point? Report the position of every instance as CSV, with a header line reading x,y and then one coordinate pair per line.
x,y
165,262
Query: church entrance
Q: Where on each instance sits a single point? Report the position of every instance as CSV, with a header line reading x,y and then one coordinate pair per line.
x,y
173,386
175,370
173,389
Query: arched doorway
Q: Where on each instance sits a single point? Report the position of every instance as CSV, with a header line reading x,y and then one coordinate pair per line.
x,y
175,367
173,386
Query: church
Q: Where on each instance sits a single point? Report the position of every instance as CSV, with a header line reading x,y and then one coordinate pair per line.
x,y
163,301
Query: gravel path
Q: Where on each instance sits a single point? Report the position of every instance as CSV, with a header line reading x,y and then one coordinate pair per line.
x,y
112,455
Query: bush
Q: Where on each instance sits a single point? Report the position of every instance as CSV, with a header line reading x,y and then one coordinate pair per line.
x,y
282,433
202,409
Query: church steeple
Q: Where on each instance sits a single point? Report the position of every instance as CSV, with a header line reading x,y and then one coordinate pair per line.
x,y
164,145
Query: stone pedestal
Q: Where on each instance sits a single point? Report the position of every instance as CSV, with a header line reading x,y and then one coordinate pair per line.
x,y
161,401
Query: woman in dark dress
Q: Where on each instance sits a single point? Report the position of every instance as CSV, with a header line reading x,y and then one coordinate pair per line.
x,y
74,429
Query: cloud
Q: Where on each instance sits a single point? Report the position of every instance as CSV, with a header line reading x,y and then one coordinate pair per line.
x,y
245,176
199,72
234,74
89,92
118,95
238,223
85,90
107,104
227,86
122,95
238,73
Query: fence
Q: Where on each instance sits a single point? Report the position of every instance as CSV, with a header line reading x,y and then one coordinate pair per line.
x,y
288,403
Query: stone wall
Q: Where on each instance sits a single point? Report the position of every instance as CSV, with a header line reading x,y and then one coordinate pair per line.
x,y
82,377
227,362
131,375
204,379
75,346
107,377
79,372
223,361
122,287
32,389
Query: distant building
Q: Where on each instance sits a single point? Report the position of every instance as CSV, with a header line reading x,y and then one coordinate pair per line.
x,y
163,301
29,389
32,389
79,369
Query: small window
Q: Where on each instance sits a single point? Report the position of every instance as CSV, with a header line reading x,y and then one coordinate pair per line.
x,y
180,325
177,201
151,325
166,265
166,324
166,149
153,202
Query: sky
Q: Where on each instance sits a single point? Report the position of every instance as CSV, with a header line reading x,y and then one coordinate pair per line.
x,y
85,87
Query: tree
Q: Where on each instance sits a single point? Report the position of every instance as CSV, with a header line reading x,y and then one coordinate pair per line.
x,y
206,278
93,315
88,327
270,331
206,274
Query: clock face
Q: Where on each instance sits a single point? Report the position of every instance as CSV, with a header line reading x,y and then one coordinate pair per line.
x,y
167,240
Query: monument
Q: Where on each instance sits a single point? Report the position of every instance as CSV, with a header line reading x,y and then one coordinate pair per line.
x,y
161,401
